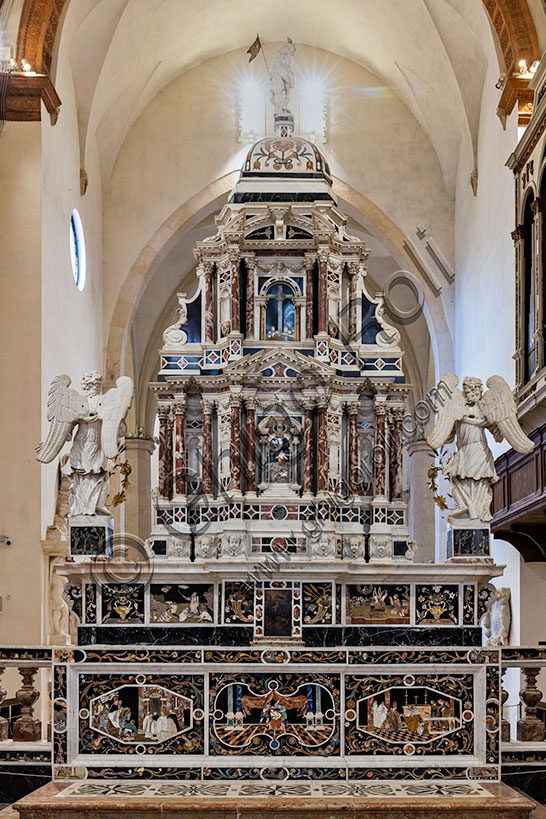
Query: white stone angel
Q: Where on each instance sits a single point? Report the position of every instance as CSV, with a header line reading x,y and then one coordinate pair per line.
x,y
281,79
467,415
100,421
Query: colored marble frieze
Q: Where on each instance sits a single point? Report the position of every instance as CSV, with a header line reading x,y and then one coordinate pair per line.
x,y
238,602
152,713
269,714
437,605
375,604
317,603
182,603
411,714
122,603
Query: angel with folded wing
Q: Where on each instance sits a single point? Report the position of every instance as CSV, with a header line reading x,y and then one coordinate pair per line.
x,y
467,414
99,422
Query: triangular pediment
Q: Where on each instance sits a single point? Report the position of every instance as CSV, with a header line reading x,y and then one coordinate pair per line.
x,y
279,363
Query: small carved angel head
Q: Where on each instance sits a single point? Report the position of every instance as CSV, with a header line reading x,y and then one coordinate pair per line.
x,y
472,388
91,383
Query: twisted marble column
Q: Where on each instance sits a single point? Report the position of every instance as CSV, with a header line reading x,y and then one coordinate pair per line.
x,y
396,415
309,269
380,449
354,272
165,451
250,404
355,481
322,446
235,306
235,443
308,458
251,271
206,272
323,255
179,446
206,479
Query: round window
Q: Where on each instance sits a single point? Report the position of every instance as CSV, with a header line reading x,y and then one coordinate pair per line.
x,y
77,249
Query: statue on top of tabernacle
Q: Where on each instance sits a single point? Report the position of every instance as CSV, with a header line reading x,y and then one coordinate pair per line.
x,y
281,78
99,421
467,414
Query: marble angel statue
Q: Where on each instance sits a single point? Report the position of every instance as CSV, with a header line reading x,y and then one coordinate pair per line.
x,y
99,422
467,414
281,80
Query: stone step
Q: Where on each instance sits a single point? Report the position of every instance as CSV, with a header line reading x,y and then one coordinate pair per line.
x,y
99,799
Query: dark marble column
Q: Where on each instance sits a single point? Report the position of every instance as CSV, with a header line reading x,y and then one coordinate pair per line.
x,y
355,478
517,236
235,307
165,451
396,415
206,480
179,446
209,334
309,268
250,404
322,446
308,457
380,449
235,443
323,255
250,277
536,207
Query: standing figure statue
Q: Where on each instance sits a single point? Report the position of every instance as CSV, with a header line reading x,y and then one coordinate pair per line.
x,y
467,414
281,79
100,422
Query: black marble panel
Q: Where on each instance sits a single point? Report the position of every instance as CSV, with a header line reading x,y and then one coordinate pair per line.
x,y
17,781
531,780
391,636
160,635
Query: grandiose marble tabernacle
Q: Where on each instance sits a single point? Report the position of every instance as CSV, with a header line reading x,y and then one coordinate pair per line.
x,y
280,627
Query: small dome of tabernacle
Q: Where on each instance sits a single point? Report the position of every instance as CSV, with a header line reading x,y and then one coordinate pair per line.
x,y
290,157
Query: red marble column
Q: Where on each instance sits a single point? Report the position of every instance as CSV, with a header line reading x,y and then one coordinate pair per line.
x,y
235,307
209,334
354,272
165,451
206,480
250,276
355,479
250,444
322,447
396,415
235,443
179,446
380,449
309,268
323,290
308,446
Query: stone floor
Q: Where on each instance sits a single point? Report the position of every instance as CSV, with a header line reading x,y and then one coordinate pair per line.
x,y
274,800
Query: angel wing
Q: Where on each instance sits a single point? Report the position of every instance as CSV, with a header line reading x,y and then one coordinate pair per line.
x,y
449,404
64,408
499,407
112,408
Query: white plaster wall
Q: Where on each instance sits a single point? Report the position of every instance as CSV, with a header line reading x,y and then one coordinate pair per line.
x,y
72,320
20,329
484,253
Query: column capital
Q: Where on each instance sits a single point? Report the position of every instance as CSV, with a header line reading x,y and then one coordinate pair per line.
x,y
353,406
536,205
354,267
517,234
250,261
310,259
163,411
180,404
380,405
234,253
323,253
207,406
251,402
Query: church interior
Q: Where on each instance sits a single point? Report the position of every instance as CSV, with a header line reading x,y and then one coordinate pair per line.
x,y
273,528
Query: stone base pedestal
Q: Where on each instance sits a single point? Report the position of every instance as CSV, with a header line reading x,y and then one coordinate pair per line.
x,y
91,535
4,729
468,541
264,800
27,730
530,730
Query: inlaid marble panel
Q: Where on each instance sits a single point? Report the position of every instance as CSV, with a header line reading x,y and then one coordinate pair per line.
x,y
182,603
375,604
